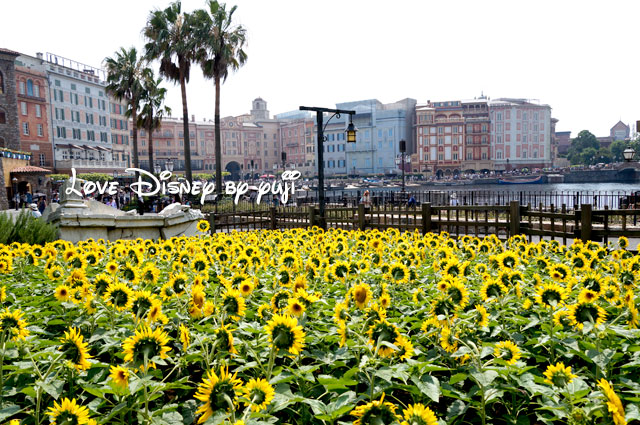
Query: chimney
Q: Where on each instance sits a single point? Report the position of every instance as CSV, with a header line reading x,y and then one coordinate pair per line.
x,y
193,118
40,56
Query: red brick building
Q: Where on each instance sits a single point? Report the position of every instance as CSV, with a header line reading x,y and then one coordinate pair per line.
x,y
34,114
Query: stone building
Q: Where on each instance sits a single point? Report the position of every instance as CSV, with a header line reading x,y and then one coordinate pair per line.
x,y
9,135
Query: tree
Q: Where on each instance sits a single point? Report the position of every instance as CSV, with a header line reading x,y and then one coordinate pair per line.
x,y
584,141
170,40
124,72
220,49
153,108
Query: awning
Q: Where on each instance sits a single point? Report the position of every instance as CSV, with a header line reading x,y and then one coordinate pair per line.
x,y
102,149
76,147
63,146
89,147
30,169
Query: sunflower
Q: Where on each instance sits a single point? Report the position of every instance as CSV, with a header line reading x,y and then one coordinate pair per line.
x,y
483,317
341,312
185,336
77,277
218,392
559,272
68,412
587,296
376,412
119,296
586,312
54,272
383,332
62,293
418,414
280,301
385,300
120,376
224,339
399,273
285,334
559,375
448,340
177,283
150,274
507,260
613,402
457,293
405,348
246,287
361,295
623,242
507,351
233,304
550,295
342,332
492,289
155,313
12,325
259,394
295,307
145,345
142,302
75,349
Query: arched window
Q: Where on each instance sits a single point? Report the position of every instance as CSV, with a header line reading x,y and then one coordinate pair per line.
x,y
30,87
36,90
1,83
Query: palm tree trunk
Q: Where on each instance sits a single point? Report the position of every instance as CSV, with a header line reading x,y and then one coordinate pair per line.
x,y
185,120
150,130
134,118
218,156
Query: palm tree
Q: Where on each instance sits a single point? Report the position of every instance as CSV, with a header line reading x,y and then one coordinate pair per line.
x,y
220,50
124,72
170,40
153,108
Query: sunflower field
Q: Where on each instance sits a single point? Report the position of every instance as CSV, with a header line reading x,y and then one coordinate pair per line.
x,y
319,327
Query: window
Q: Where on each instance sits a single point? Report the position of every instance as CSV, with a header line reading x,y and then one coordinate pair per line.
x,y
87,90
38,111
43,160
30,87
484,155
535,118
3,117
22,87
40,130
23,108
524,117
499,116
524,154
499,154
25,128
455,156
65,155
469,156
57,83
440,130
440,140
36,90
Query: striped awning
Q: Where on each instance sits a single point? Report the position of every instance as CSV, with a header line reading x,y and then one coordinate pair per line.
x,y
30,169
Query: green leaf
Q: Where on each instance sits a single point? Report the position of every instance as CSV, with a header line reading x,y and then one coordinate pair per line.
x,y
456,409
485,378
458,377
9,411
429,386
332,383
54,389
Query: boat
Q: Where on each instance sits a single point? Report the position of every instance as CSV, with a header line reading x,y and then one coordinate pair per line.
x,y
532,180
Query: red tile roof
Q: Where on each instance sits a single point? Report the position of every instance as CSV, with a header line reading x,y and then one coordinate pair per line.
x,y
31,169
9,52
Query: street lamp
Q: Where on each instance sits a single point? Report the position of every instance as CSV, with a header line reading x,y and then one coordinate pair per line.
x,y
629,153
16,197
115,174
157,168
403,149
351,138
283,156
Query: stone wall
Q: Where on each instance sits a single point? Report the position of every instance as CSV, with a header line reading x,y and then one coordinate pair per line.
x,y
9,128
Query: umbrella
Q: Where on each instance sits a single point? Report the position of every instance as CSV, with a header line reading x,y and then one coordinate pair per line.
x,y
267,176
253,188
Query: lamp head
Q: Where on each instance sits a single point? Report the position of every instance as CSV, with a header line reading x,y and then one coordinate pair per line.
x,y
351,131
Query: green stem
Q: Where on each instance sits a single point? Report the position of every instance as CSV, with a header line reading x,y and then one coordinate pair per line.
x,y
2,337
272,358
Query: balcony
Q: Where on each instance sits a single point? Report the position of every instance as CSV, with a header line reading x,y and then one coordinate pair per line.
x,y
35,98
88,163
448,120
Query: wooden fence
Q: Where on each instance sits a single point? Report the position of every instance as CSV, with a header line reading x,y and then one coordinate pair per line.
x,y
502,220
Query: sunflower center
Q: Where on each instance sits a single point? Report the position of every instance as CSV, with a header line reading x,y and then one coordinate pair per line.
x,y
231,305
178,285
217,398
559,379
71,351
586,313
360,295
551,297
119,298
257,396
148,348
67,418
129,274
141,306
283,337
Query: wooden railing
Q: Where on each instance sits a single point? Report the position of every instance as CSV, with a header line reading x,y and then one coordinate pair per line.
x,y
501,220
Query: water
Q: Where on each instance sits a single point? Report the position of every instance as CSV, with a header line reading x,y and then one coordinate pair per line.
x,y
600,195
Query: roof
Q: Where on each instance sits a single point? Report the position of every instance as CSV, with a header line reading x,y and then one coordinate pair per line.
x,y
9,52
30,169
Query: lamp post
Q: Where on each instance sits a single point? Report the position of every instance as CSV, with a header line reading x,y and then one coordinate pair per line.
x,y
169,165
283,156
629,153
403,149
16,197
157,168
351,138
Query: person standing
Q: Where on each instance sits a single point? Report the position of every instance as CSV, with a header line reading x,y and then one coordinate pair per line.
x,y
366,199
42,205
34,211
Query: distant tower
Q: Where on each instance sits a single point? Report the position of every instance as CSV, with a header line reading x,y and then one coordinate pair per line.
x,y
259,110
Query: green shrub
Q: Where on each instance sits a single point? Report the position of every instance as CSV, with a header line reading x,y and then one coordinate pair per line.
x,y
26,229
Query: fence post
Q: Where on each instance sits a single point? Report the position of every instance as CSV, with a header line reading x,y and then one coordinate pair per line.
x,y
426,218
273,218
362,225
212,222
585,222
312,216
514,218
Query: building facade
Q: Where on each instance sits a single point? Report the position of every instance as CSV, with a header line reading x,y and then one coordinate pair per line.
x,y
440,128
9,134
80,117
477,136
34,110
520,134
120,140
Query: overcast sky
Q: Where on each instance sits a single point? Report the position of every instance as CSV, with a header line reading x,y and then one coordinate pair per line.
x,y
580,57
